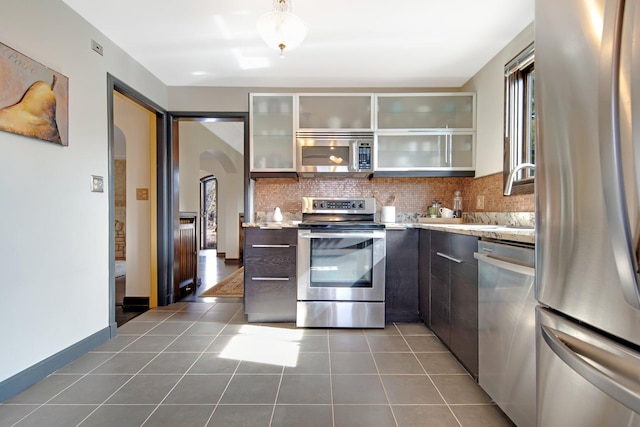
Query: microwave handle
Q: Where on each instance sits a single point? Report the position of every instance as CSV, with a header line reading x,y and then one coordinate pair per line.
x,y
354,156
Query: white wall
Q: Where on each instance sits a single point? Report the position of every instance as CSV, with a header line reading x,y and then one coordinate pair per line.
x,y
138,126
55,233
488,84
201,150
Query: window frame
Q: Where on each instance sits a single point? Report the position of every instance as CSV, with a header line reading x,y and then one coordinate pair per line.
x,y
519,120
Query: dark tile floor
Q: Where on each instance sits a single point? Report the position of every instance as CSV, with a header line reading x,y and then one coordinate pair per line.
x,y
201,364
211,270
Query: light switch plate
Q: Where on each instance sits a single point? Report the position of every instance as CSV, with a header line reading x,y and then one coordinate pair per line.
x,y
480,202
97,184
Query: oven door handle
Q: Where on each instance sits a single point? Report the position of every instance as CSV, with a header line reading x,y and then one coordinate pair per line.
x,y
354,234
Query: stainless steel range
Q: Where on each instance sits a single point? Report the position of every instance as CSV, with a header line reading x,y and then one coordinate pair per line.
x,y
341,264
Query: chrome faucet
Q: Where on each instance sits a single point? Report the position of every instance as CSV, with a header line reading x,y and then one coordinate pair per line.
x,y
512,176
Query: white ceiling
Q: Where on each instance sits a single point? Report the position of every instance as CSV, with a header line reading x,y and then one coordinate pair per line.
x,y
351,43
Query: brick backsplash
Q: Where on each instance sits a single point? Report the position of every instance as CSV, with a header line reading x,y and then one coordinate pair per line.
x,y
414,194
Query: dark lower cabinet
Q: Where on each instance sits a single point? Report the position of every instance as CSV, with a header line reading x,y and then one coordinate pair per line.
x,y
454,295
401,277
424,271
270,274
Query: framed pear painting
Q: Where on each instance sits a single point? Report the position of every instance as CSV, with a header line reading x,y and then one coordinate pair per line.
x,y
34,99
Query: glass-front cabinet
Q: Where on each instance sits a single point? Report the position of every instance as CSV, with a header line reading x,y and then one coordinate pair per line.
x,y
272,141
341,112
425,133
426,111
426,151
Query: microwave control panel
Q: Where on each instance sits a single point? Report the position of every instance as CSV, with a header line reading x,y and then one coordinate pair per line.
x,y
364,156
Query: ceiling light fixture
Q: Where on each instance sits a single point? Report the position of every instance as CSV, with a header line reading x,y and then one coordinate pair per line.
x,y
281,29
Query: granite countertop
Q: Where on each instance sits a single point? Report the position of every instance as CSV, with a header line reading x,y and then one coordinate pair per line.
x,y
499,232
272,225
492,231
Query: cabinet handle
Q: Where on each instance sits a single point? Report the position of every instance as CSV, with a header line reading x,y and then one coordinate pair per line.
x,y
270,279
449,257
270,246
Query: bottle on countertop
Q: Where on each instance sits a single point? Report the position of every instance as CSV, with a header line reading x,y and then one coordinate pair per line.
x,y
457,204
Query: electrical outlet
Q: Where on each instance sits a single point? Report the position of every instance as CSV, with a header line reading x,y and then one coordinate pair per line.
x,y
96,47
480,202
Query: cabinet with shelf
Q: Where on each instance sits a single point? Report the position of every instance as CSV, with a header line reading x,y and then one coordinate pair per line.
x,y
426,111
425,134
272,139
421,151
401,275
270,274
454,295
342,112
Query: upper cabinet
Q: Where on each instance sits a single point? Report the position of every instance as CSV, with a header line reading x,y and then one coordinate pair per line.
x,y
426,111
272,140
416,134
341,112
425,134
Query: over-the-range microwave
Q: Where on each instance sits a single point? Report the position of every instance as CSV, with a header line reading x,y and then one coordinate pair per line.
x,y
334,154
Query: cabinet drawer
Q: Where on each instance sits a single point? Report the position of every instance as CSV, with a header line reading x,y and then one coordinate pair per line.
x,y
277,296
270,262
264,237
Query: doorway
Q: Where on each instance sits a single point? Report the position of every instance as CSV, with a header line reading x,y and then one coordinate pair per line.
x,y
209,169
138,234
208,207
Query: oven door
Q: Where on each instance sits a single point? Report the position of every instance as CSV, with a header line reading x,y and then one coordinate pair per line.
x,y
341,265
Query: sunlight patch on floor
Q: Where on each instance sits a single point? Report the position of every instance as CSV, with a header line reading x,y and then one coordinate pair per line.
x,y
264,344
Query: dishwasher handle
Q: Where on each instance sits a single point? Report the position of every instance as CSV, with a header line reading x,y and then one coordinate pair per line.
x,y
505,265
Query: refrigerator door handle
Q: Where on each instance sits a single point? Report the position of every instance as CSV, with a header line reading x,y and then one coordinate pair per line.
x,y
611,157
610,370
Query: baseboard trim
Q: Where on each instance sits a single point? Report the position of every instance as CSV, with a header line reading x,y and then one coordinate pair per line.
x,y
221,254
135,303
232,260
25,379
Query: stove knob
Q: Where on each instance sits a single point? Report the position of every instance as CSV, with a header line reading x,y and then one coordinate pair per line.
x,y
361,205
315,205
322,205
353,205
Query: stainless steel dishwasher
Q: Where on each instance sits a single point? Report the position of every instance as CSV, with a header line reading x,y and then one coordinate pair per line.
x,y
506,328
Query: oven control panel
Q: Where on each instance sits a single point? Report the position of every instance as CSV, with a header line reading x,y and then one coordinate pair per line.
x,y
338,204
364,205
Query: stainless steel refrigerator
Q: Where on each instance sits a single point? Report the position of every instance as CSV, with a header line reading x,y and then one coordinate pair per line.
x,y
587,182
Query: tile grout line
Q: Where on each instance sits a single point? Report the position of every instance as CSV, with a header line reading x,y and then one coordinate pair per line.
x,y
275,402
384,389
145,365
191,366
333,412
82,376
429,375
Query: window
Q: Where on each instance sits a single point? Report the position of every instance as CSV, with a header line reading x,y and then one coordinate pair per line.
x,y
520,117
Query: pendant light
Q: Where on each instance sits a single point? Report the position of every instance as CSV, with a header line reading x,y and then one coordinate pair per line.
x,y
281,29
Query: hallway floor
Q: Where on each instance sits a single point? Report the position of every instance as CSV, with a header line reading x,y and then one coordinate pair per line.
x,y
211,270
201,364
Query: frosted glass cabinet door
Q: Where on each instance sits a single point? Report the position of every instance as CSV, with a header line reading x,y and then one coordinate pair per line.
x,y
425,151
272,136
426,111
337,112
